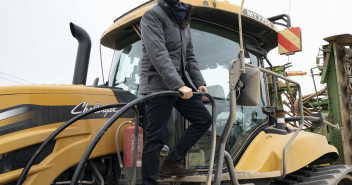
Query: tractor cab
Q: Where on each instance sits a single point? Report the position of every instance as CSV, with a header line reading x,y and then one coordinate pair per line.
x,y
216,42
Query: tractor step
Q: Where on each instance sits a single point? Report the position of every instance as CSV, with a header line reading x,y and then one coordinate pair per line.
x,y
224,176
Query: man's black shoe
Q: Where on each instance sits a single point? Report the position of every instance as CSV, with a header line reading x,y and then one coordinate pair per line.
x,y
168,169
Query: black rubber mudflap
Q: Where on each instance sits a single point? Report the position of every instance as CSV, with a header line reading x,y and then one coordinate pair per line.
x,y
327,175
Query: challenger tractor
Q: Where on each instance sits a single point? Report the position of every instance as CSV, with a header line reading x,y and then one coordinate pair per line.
x,y
93,134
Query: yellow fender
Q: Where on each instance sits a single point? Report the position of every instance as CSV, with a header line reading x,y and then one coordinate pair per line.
x,y
265,152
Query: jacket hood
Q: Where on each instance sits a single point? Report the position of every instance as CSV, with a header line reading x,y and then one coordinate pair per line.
x,y
172,2
172,15
164,4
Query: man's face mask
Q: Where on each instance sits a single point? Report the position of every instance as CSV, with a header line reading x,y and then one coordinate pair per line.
x,y
172,2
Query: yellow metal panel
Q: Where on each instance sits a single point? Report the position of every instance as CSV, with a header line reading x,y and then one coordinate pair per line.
x,y
138,13
264,154
11,176
17,118
109,37
71,143
68,150
53,89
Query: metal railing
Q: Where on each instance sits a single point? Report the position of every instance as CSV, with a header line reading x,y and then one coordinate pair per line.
x,y
300,110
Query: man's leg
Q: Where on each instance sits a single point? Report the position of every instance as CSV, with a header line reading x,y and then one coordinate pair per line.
x,y
158,111
194,111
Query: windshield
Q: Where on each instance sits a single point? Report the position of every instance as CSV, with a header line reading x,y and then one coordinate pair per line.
x,y
214,48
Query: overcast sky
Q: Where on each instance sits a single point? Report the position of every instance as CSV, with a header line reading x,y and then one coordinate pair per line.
x,y
36,44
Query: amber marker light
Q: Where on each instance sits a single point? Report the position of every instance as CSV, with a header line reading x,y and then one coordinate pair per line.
x,y
296,73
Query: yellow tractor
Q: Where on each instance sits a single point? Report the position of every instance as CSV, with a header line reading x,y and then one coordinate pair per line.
x,y
73,134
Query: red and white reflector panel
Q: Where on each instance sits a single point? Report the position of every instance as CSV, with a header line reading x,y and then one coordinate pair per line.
x,y
290,41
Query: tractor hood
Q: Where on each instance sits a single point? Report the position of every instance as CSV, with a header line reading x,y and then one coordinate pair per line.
x,y
52,89
30,106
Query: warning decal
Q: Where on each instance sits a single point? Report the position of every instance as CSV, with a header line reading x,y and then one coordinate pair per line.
x,y
290,41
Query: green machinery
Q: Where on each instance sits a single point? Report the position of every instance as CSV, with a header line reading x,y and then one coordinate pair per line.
x,y
333,102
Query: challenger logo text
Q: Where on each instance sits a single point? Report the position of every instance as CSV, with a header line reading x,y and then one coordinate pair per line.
x,y
84,107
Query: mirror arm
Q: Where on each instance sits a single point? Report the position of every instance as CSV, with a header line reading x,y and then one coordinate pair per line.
x,y
284,17
309,118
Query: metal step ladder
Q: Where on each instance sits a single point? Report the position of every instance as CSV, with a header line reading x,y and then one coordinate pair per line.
x,y
224,176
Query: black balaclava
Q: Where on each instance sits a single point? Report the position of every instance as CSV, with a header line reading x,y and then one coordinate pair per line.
x,y
172,2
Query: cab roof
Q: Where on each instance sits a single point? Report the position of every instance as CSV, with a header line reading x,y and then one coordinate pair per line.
x,y
224,14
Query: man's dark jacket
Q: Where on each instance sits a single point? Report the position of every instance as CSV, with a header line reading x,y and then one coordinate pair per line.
x,y
168,61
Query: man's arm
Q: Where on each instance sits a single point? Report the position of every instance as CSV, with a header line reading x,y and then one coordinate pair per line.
x,y
154,42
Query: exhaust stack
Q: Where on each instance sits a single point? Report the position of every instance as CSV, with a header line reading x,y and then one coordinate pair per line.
x,y
83,53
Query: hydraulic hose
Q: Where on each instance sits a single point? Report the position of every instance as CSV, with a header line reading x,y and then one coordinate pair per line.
x,y
107,125
55,133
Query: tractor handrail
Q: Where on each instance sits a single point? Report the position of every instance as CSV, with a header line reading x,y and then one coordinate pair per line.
x,y
234,75
300,110
57,132
106,126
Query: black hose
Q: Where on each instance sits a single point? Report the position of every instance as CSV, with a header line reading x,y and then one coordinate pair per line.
x,y
55,133
106,126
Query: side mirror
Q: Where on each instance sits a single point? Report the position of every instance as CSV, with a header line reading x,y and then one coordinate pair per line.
x,y
250,92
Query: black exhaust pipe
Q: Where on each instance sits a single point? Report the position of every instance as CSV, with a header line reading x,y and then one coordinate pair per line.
x,y
83,53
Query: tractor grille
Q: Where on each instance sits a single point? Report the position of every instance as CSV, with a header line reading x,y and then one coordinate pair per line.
x,y
19,158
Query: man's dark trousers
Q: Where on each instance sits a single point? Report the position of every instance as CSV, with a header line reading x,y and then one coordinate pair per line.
x,y
158,111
